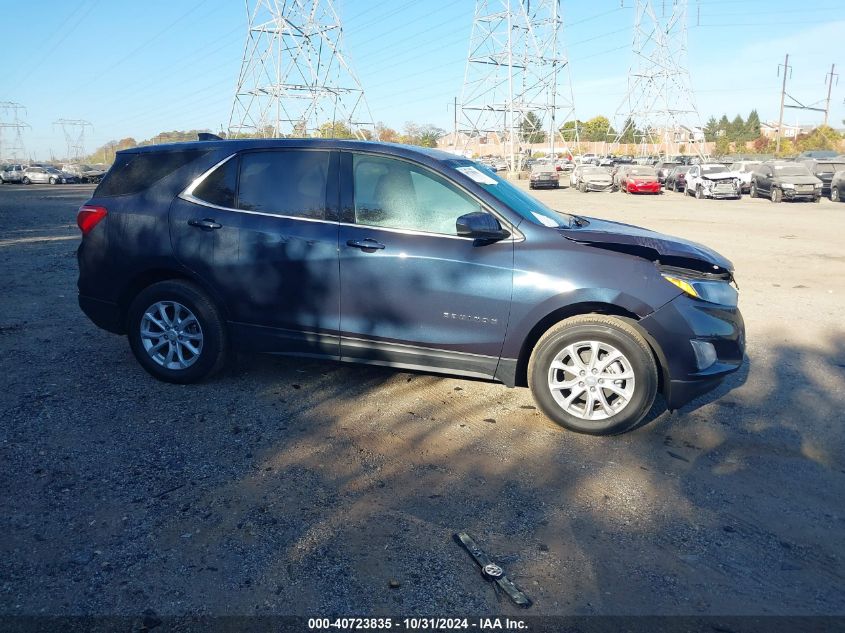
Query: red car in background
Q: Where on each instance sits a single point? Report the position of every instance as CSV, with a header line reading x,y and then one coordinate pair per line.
x,y
640,179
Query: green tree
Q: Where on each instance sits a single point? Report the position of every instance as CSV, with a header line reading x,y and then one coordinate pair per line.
x,y
631,133
723,145
338,129
386,134
711,128
531,129
752,126
597,129
736,129
823,137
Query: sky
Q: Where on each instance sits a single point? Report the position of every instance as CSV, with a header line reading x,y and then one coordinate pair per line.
x,y
140,68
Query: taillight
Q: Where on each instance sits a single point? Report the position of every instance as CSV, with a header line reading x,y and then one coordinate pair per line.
x,y
89,217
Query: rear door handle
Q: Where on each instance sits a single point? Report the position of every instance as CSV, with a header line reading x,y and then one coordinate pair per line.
x,y
205,224
366,245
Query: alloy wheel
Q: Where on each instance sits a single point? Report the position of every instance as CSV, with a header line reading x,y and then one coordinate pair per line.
x,y
171,335
591,380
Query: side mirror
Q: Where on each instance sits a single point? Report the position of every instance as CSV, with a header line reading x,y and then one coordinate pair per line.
x,y
480,226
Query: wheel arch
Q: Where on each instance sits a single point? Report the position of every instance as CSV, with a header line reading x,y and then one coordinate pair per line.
x,y
148,277
578,309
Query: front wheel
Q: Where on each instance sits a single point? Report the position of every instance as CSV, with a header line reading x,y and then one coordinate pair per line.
x,y
777,195
176,332
699,192
26,181
752,192
834,194
593,374
53,181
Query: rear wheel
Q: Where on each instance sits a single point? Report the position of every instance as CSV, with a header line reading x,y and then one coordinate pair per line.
x,y
593,374
52,181
176,332
26,181
777,195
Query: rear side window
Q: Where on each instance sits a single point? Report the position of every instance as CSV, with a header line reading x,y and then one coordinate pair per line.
x,y
132,173
284,182
219,186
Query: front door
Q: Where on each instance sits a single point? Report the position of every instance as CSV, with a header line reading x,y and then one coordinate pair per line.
x,y
261,231
413,293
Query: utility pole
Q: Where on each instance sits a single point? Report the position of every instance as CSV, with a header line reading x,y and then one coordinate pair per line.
x,y
782,99
829,78
659,104
295,77
74,131
516,67
455,129
10,120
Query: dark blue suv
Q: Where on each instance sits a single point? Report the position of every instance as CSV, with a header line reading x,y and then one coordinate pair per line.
x,y
399,256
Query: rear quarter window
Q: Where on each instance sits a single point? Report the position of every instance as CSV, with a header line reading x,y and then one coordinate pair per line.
x,y
135,172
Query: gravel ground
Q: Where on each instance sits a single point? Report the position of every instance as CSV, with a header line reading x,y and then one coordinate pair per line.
x,y
300,487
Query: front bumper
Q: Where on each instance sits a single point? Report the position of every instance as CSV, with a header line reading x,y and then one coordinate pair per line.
x,y
595,186
792,194
672,327
649,188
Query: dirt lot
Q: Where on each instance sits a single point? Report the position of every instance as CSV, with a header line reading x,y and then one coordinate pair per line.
x,y
300,487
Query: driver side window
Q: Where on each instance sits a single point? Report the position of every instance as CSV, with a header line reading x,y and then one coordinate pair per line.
x,y
397,194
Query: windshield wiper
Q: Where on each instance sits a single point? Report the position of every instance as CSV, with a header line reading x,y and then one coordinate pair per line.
x,y
577,221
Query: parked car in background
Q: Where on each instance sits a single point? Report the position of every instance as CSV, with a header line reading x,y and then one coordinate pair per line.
x,y
281,245
676,179
743,170
712,180
823,169
837,187
11,173
589,159
45,175
543,176
591,178
84,173
820,154
785,180
663,168
640,179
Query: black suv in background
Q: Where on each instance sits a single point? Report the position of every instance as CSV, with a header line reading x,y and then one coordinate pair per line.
x,y
418,259
824,169
785,180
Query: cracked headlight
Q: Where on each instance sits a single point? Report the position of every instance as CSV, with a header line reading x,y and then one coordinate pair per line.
x,y
717,291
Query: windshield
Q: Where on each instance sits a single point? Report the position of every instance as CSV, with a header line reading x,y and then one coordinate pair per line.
x,y
642,171
596,171
830,167
713,169
791,170
523,204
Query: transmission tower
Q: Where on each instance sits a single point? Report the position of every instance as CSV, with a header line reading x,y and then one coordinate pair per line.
x,y
11,145
74,131
658,112
294,75
517,87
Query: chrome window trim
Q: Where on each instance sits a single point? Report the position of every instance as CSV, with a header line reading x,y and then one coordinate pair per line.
x,y
188,195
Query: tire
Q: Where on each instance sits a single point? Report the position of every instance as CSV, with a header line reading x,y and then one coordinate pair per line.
x,y
699,193
608,335
26,181
582,187
675,187
53,181
776,195
202,356
834,194
817,199
752,192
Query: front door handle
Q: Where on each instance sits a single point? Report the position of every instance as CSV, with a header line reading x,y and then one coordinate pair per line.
x,y
366,245
205,224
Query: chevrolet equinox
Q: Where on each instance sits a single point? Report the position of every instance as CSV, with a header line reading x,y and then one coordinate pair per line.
x,y
404,257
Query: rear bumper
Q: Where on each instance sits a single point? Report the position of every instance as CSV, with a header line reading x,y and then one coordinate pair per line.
x,y
103,314
672,329
548,184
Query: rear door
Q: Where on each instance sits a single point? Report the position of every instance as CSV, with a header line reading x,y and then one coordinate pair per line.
x,y
413,293
261,230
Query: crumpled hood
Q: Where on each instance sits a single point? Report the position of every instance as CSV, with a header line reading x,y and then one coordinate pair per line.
x,y
642,242
722,175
